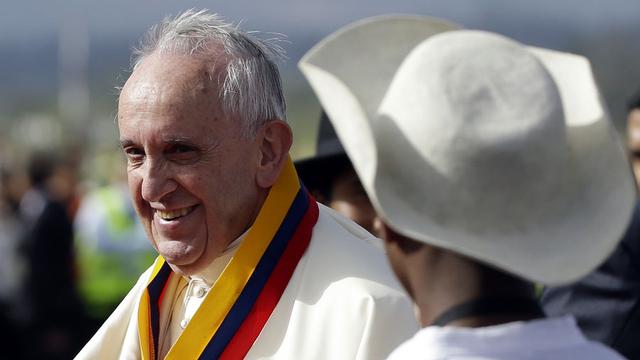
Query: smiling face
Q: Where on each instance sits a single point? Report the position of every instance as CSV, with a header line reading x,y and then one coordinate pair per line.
x,y
191,173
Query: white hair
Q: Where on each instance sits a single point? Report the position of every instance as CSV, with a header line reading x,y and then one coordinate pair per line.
x,y
250,85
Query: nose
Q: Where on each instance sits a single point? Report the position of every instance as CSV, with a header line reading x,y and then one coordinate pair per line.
x,y
157,181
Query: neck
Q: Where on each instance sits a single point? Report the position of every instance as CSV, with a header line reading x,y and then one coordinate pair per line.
x,y
211,273
447,280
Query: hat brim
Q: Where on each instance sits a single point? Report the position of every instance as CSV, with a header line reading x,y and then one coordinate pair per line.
x,y
575,237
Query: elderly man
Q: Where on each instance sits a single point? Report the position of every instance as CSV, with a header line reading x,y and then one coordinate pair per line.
x,y
491,165
250,266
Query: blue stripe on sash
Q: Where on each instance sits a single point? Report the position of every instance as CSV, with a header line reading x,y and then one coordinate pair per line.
x,y
155,290
261,274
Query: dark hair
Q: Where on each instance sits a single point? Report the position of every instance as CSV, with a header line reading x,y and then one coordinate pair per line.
x,y
319,172
41,166
322,175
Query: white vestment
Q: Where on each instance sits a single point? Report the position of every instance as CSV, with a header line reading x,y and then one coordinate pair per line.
x,y
342,302
545,339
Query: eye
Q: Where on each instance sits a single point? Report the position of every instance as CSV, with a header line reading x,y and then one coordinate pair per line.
x,y
181,153
134,154
181,149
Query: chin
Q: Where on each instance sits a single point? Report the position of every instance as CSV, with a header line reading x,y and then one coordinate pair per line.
x,y
178,253
184,266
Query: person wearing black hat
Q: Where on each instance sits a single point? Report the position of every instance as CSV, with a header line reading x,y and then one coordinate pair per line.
x,y
606,303
332,180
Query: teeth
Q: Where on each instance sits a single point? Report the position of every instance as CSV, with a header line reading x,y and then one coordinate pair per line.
x,y
170,215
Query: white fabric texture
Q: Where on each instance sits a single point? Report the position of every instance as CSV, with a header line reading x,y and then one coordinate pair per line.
x,y
342,302
546,339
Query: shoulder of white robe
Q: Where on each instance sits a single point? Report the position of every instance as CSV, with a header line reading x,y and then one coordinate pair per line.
x,y
119,333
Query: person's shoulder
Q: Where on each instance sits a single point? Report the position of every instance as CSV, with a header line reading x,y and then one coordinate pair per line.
x,y
347,230
347,242
414,348
343,255
590,350
599,351
115,335
560,338
631,240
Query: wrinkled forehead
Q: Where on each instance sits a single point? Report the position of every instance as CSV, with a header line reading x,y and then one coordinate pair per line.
x,y
173,72
171,84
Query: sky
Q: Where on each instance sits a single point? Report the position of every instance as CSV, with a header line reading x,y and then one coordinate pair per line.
x,y
30,20
608,32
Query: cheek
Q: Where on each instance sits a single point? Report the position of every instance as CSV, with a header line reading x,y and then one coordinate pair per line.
x,y
134,184
237,181
365,211
207,188
397,262
225,186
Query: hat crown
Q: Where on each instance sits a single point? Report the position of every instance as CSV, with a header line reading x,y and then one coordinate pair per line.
x,y
485,115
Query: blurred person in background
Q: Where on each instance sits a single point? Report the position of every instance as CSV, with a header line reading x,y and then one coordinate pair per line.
x,y
606,303
51,308
633,132
483,186
250,265
330,178
11,261
112,247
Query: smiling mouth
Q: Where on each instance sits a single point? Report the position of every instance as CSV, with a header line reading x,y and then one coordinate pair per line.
x,y
174,214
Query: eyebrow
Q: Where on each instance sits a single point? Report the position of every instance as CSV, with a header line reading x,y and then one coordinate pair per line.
x,y
179,140
174,140
125,143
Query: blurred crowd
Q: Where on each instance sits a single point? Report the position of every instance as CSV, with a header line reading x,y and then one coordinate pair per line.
x,y
68,255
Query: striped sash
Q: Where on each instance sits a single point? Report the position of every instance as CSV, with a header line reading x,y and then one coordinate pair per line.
x,y
244,296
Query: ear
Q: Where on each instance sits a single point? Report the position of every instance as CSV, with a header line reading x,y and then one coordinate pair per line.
x,y
393,239
275,140
384,232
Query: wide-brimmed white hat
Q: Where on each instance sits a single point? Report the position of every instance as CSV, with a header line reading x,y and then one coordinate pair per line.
x,y
472,142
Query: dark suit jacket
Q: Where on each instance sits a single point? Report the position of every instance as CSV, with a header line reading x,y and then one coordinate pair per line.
x,y
606,303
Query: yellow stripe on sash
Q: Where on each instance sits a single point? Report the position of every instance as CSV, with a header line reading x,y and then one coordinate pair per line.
x,y
227,288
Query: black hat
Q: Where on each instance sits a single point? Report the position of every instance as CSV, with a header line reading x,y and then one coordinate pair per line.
x,y
330,160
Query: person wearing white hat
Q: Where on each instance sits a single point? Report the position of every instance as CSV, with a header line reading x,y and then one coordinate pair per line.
x,y
491,165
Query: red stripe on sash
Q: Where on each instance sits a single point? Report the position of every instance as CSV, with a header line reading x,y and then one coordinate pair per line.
x,y
273,289
164,289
